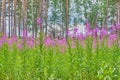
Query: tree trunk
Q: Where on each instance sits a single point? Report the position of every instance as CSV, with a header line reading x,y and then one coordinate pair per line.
x,y
36,24
106,14
46,15
5,21
14,29
119,11
25,3
19,17
66,18
19,26
9,17
0,20
3,16
26,8
41,14
32,9
118,31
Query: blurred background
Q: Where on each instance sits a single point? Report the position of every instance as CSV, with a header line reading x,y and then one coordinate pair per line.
x,y
56,16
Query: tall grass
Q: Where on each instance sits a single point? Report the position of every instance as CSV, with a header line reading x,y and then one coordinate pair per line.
x,y
49,63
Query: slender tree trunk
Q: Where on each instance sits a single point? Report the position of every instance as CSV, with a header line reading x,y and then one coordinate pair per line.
x,y
24,3
41,14
32,9
106,14
119,11
9,17
3,16
14,29
19,17
25,6
0,19
66,18
19,26
36,29
5,22
118,31
23,9
46,14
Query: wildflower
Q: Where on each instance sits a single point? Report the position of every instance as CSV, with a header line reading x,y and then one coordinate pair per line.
x,y
112,38
25,33
3,38
103,33
95,32
87,26
49,42
67,32
94,43
30,43
75,30
19,45
39,21
80,37
73,44
14,39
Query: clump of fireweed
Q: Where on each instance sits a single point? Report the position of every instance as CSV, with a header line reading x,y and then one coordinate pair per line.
x,y
91,56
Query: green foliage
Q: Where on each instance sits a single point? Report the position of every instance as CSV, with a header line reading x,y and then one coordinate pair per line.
x,y
48,63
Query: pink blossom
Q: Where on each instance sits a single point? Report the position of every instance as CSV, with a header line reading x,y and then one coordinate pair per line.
x,y
19,45
103,33
87,26
94,43
29,43
49,42
39,21
111,39
73,44
25,33
95,32
75,30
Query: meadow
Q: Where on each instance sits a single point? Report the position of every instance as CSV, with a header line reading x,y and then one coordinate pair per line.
x,y
91,56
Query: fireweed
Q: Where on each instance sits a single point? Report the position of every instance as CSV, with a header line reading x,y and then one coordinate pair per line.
x,y
91,56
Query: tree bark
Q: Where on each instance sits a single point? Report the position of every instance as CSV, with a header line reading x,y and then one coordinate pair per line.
x,y
66,18
3,16
119,12
36,29
46,15
32,9
19,17
106,14
41,14
25,5
14,29
9,17
0,20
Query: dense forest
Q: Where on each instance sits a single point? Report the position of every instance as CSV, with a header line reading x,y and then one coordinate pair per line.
x,y
17,15
59,39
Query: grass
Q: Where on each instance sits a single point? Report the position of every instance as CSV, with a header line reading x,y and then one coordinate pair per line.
x,y
49,63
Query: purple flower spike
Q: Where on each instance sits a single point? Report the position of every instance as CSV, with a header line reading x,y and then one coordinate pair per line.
x,y
25,33
39,21
87,26
75,30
